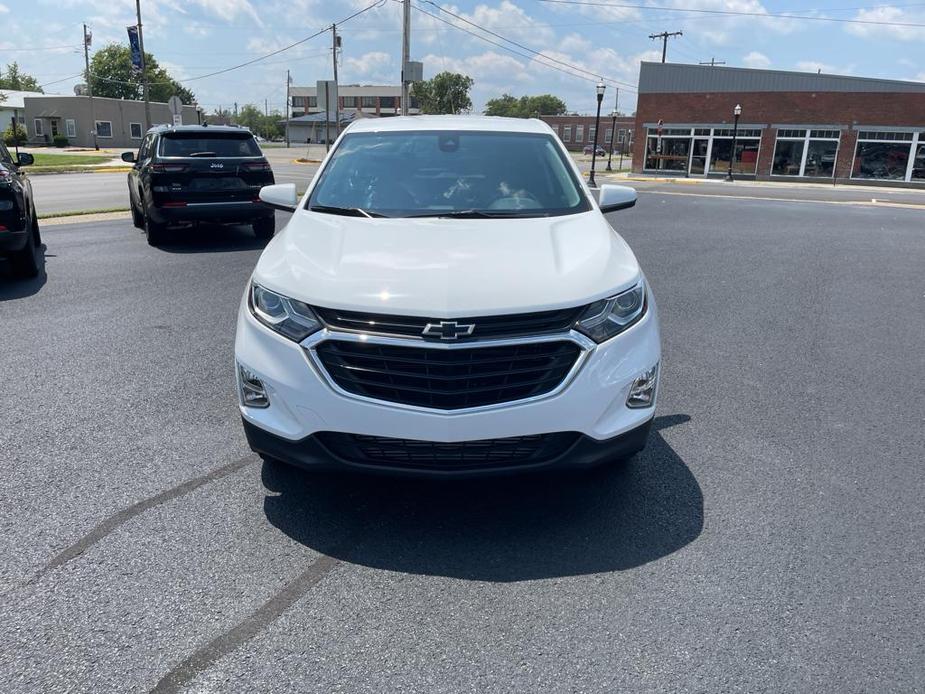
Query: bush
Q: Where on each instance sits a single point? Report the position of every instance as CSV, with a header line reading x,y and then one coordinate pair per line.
x,y
61,141
21,136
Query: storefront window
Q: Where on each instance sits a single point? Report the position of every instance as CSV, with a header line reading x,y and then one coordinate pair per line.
x,y
918,166
746,159
820,158
788,155
672,157
881,160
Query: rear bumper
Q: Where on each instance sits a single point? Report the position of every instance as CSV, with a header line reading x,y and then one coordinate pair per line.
x,y
216,212
311,453
13,240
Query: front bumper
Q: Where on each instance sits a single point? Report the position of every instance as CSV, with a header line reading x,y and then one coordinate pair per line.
x,y
303,402
312,453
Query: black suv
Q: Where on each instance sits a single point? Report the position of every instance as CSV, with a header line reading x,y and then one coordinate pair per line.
x,y
19,227
198,173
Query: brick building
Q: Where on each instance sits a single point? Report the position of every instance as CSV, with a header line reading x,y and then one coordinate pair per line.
x,y
578,131
378,100
793,125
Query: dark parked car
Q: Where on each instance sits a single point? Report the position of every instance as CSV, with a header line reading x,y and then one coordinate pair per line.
x,y
600,150
19,227
197,173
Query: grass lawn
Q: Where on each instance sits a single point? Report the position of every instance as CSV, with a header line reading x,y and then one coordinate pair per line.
x,y
43,159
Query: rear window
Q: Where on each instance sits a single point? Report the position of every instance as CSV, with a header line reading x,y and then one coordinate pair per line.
x,y
197,144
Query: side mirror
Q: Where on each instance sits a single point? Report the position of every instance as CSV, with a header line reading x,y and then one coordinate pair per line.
x,y
129,157
615,198
25,159
281,196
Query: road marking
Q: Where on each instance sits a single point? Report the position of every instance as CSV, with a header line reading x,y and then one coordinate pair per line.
x,y
110,524
863,203
205,656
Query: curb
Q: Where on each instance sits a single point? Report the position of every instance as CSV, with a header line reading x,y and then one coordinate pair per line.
x,y
65,170
306,161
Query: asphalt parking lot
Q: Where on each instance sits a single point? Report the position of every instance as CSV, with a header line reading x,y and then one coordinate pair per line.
x,y
768,539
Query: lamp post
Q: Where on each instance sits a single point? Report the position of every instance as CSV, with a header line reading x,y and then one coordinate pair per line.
x,y
737,111
613,137
597,127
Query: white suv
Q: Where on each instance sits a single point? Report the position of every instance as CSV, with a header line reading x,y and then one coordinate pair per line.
x,y
447,299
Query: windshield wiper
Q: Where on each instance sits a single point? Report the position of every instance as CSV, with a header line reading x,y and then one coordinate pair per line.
x,y
345,211
202,154
479,214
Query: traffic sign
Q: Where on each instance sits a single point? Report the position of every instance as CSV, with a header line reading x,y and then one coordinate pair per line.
x,y
175,106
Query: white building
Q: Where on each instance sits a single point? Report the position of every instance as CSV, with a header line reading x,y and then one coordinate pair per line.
x,y
12,104
374,100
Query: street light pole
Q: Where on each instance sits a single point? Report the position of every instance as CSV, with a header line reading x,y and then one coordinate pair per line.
x,y
88,37
736,112
597,127
144,68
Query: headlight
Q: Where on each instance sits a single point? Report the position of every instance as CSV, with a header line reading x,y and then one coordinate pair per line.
x,y
290,318
608,317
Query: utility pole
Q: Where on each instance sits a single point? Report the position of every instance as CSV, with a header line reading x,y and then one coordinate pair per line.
x,y
144,67
664,36
713,62
288,110
405,54
88,37
334,46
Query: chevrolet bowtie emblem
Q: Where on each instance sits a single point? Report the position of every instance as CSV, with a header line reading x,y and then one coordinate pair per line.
x,y
448,330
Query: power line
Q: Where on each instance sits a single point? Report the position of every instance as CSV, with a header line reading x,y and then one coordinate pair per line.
x,y
515,43
536,54
738,13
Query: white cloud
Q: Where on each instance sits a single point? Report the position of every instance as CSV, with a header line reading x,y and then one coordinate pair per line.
x,y
814,66
756,59
3,8
230,9
888,14
507,18
920,77
375,66
575,42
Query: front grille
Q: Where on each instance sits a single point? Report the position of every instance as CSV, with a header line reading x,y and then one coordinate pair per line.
x,y
448,379
433,455
511,325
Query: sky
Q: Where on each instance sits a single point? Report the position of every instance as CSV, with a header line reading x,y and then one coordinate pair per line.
x,y
605,38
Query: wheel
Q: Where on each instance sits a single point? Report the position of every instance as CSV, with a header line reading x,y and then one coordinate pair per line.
x,y
25,262
265,227
138,219
154,231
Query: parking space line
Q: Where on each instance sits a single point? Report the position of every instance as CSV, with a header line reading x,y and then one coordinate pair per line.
x,y
110,524
863,203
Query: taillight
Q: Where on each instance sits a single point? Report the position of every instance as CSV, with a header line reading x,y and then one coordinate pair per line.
x,y
2,228
168,168
262,165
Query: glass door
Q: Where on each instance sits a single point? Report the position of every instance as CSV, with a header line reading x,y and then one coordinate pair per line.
x,y
698,163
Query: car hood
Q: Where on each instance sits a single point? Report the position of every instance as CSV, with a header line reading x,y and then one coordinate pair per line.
x,y
447,267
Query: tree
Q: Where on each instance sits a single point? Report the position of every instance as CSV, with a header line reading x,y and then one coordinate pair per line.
x,y
525,106
447,92
112,75
253,118
16,80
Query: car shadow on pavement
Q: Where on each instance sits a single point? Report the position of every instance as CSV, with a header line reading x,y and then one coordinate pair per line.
x,y
496,529
211,238
13,288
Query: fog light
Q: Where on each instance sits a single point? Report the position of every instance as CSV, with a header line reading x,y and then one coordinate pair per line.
x,y
253,394
642,392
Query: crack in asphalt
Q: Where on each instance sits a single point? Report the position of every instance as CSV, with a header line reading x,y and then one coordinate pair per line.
x,y
107,526
204,657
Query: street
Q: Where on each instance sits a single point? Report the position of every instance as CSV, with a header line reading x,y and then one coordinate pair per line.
x,y
769,538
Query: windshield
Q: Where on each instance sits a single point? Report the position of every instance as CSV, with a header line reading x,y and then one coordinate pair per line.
x,y
448,173
198,144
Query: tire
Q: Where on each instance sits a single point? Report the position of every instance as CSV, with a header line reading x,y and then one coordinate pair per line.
x,y
264,228
138,219
25,262
154,231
